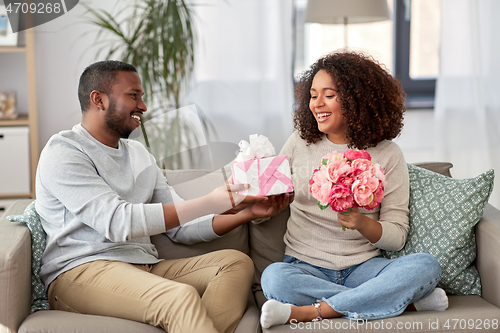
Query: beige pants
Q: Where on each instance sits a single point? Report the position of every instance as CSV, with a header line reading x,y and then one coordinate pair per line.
x,y
202,294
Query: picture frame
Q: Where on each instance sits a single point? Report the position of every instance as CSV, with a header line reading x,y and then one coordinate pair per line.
x,y
7,36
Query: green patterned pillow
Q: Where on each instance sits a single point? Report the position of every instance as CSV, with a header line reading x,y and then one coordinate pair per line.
x,y
39,300
443,213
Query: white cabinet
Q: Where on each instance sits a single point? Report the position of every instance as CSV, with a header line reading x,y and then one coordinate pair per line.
x,y
13,176
15,160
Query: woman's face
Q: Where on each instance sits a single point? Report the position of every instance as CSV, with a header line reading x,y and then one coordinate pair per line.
x,y
326,108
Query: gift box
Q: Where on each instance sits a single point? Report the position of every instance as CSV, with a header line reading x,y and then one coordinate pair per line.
x,y
255,165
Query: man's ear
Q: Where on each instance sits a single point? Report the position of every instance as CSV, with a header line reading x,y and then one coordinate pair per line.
x,y
98,99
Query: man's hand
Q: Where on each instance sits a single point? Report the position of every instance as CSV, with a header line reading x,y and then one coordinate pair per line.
x,y
272,206
226,200
265,207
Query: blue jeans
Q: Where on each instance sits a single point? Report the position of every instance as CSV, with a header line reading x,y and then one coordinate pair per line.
x,y
375,289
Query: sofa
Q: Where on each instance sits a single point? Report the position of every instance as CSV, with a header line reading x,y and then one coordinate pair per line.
x,y
263,242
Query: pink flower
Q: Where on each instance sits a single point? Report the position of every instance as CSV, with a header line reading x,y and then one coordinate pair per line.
x,y
364,187
379,173
320,186
333,156
378,195
341,198
335,168
363,164
348,180
352,155
349,177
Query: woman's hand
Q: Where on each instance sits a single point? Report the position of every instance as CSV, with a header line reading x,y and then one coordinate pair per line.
x,y
352,219
369,228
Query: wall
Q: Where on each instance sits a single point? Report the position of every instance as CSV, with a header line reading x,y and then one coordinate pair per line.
x,y
62,53
65,46
417,137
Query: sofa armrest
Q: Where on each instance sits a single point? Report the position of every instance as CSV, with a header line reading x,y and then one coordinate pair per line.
x,y
15,270
488,254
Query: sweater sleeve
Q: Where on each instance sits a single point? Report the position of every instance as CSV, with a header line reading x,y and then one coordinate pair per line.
x,y
394,207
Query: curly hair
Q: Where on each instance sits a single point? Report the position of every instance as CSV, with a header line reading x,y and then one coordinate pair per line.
x,y
372,100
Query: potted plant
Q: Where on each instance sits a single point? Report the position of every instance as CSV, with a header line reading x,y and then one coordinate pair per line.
x,y
157,37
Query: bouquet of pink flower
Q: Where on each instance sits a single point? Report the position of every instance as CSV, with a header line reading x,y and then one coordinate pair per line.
x,y
348,180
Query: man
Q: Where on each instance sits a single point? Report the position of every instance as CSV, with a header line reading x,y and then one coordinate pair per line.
x,y
101,196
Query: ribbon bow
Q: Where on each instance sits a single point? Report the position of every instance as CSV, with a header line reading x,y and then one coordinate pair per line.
x,y
259,147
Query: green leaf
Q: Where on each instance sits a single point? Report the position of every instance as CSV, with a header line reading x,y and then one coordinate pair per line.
x,y
324,161
323,207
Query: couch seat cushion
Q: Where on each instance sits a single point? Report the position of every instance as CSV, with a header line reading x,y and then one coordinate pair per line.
x,y
53,321
463,314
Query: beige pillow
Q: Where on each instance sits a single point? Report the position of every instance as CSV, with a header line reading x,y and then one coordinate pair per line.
x,y
266,247
438,167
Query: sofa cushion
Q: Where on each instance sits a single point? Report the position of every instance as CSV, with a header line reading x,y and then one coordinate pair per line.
x,y
266,246
39,300
439,167
464,314
443,213
236,239
488,254
55,321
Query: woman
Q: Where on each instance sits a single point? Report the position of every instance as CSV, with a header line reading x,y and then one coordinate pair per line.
x,y
347,100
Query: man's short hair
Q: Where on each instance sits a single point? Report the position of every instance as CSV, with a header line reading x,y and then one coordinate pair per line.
x,y
100,76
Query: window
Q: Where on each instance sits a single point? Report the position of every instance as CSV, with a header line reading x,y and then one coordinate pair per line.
x,y
314,40
408,44
416,65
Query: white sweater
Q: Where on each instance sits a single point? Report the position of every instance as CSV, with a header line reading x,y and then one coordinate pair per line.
x,y
315,236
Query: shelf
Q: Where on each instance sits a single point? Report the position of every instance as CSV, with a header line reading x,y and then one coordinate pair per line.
x,y
16,195
31,118
12,49
19,121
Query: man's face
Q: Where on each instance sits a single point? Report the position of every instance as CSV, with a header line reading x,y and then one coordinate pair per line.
x,y
125,104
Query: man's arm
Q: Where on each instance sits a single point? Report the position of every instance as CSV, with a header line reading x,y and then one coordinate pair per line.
x,y
221,200
211,227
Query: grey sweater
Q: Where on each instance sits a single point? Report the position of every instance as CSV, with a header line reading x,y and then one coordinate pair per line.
x,y
101,203
315,236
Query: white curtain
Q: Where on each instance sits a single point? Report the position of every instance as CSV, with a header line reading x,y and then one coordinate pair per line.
x,y
467,109
243,70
